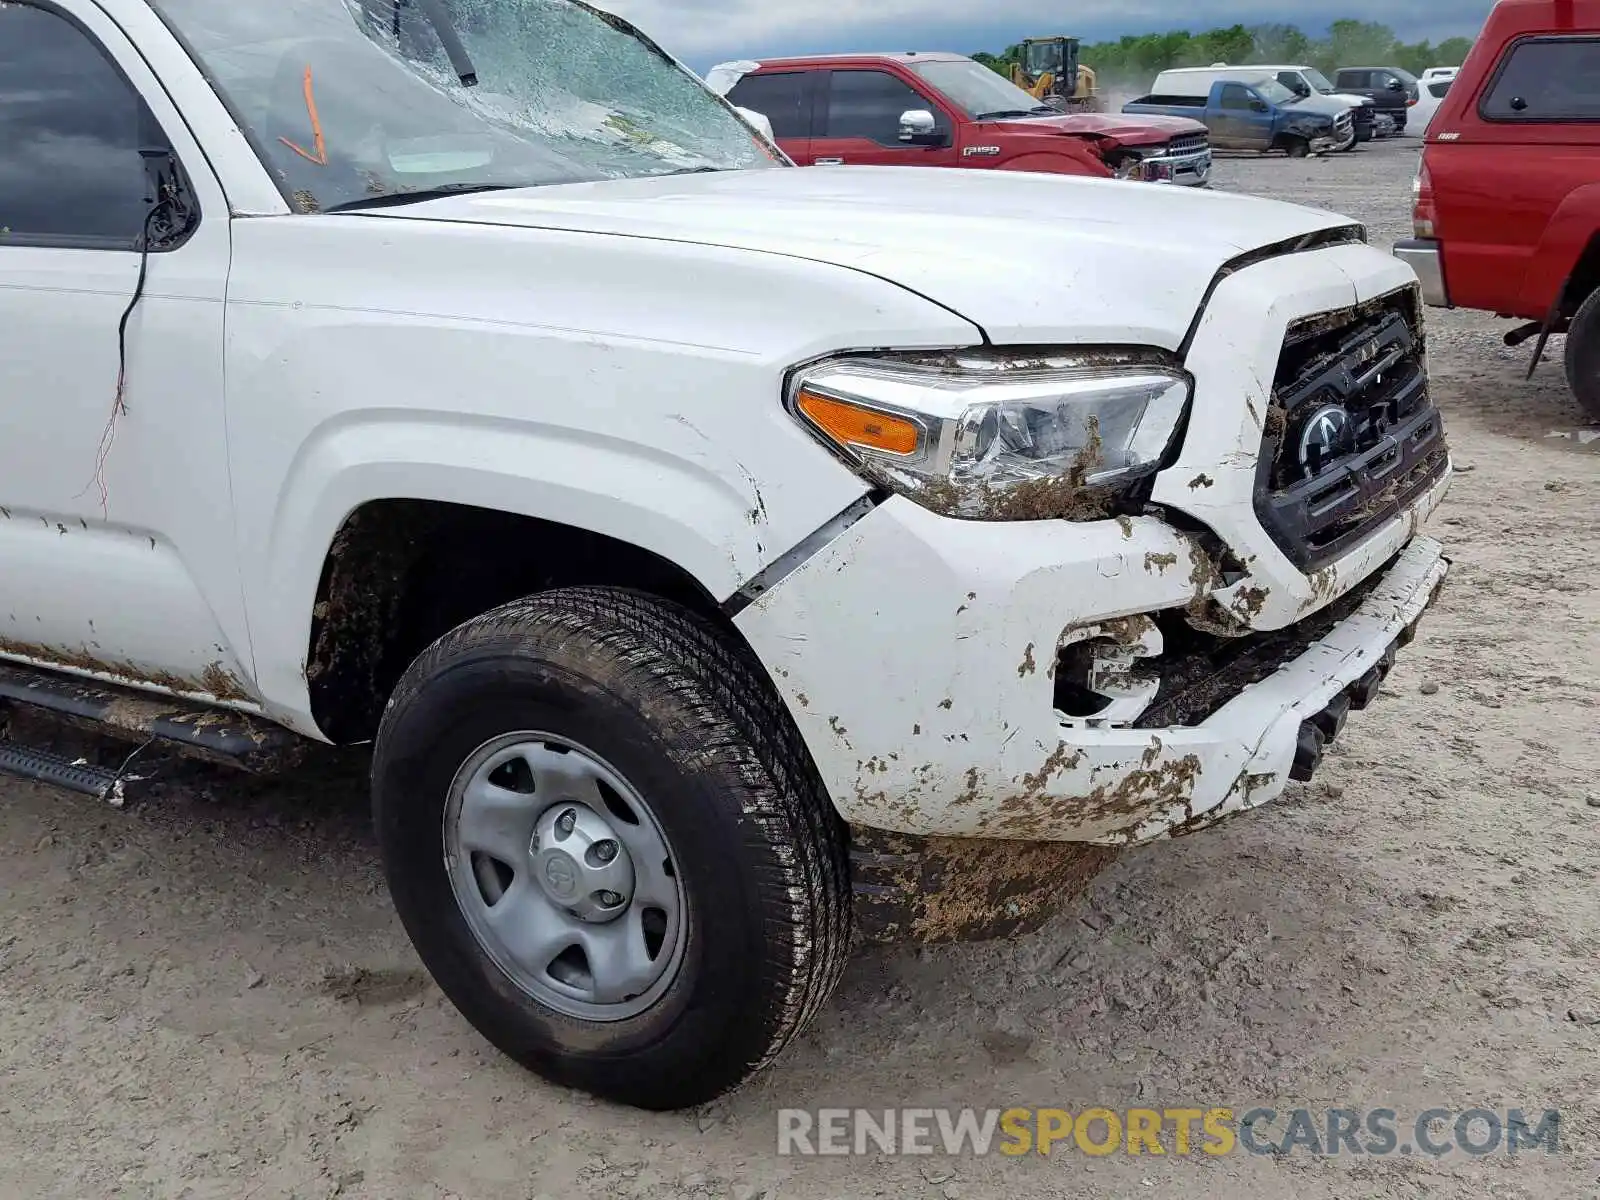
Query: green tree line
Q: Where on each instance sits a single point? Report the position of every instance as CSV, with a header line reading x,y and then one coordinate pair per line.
x,y
1136,60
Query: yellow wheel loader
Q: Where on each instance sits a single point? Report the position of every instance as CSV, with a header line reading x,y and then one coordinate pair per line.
x,y
1049,70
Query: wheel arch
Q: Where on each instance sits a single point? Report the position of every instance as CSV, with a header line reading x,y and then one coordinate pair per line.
x,y
1565,266
400,573
1584,279
716,525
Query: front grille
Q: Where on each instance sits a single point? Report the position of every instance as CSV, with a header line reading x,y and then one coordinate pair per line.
x,y
1342,125
1352,438
1361,117
1189,143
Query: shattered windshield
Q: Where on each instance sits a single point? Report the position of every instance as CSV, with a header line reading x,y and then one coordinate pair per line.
x,y
354,101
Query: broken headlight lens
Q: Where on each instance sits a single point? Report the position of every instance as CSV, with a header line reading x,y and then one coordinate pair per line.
x,y
997,438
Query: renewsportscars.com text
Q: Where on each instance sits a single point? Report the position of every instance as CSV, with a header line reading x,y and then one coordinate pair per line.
x,y
1435,1132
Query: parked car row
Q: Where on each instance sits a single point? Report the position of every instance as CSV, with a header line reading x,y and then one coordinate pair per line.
x,y
1288,108
946,110
1251,112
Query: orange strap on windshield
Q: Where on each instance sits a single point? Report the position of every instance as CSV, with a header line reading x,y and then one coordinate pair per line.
x,y
321,155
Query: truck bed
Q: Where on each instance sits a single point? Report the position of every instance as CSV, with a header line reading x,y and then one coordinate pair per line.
x,y
1147,103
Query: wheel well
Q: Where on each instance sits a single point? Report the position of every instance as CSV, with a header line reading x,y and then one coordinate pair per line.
x,y
1584,279
401,573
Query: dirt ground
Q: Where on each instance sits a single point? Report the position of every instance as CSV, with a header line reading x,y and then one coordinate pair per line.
x,y
208,996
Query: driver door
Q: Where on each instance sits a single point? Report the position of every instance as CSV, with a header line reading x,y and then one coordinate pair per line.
x,y
858,122
1236,124
116,514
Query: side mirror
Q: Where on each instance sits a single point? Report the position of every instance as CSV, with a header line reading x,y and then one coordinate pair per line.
x,y
1302,90
1259,106
1394,85
918,128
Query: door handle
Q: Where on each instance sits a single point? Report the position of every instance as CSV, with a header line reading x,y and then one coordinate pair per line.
x,y
830,162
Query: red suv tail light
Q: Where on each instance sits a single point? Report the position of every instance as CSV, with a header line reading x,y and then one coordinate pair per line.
x,y
1424,220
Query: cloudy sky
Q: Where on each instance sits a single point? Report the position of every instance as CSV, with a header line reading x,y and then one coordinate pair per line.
x,y
703,32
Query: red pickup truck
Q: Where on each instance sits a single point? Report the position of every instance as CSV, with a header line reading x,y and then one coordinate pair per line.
x,y
1507,215
945,110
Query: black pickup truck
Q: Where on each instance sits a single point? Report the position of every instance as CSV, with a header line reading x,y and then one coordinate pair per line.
x,y
1391,89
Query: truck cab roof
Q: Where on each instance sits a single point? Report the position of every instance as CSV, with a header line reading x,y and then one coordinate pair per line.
x,y
901,56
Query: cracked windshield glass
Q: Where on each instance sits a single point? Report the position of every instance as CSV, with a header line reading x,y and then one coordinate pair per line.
x,y
370,101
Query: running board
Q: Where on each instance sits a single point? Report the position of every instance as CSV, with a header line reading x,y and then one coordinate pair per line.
x,y
218,735
75,775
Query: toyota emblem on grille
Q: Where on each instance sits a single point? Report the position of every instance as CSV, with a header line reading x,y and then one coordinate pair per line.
x,y
1326,434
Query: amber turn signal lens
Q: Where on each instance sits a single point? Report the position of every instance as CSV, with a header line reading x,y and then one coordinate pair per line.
x,y
851,425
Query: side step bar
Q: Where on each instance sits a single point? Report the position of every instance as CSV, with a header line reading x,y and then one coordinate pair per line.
x,y
75,776
196,730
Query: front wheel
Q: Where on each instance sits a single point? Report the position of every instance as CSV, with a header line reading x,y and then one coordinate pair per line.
x,y
609,846
1582,356
1296,147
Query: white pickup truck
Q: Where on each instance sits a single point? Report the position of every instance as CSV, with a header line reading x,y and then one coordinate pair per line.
x,y
718,556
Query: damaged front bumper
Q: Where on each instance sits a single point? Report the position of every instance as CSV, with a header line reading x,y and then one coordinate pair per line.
x,y
909,652
1187,168
1115,681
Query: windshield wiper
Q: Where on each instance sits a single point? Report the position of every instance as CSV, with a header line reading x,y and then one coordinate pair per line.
x,y
460,60
688,171
390,199
1000,114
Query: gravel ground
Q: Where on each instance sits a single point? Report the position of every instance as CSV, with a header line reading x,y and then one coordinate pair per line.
x,y
208,996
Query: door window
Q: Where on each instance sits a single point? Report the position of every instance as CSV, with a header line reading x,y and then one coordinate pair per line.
x,y
1236,97
869,104
783,98
1546,79
71,130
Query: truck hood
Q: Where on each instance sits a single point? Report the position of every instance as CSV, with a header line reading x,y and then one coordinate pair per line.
x,y
1029,259
1116,129
1328,106
1347,98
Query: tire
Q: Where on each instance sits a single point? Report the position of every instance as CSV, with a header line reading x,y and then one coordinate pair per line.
x,y
683,715
1581,356
1296,147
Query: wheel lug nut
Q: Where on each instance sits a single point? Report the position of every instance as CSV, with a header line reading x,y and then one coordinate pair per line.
x,y
610,899
565,822
605,851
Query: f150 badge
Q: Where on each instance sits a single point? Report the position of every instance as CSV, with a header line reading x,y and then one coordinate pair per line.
x,y
979,151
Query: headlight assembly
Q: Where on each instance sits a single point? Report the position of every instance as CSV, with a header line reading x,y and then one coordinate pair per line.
x,y
1003,439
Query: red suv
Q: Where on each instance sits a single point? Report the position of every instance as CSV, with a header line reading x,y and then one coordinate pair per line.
x,y
945,110
1507,214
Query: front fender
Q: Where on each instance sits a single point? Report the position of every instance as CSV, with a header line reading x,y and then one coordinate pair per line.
x,y
698,505
1080,160
623,386
1308,127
